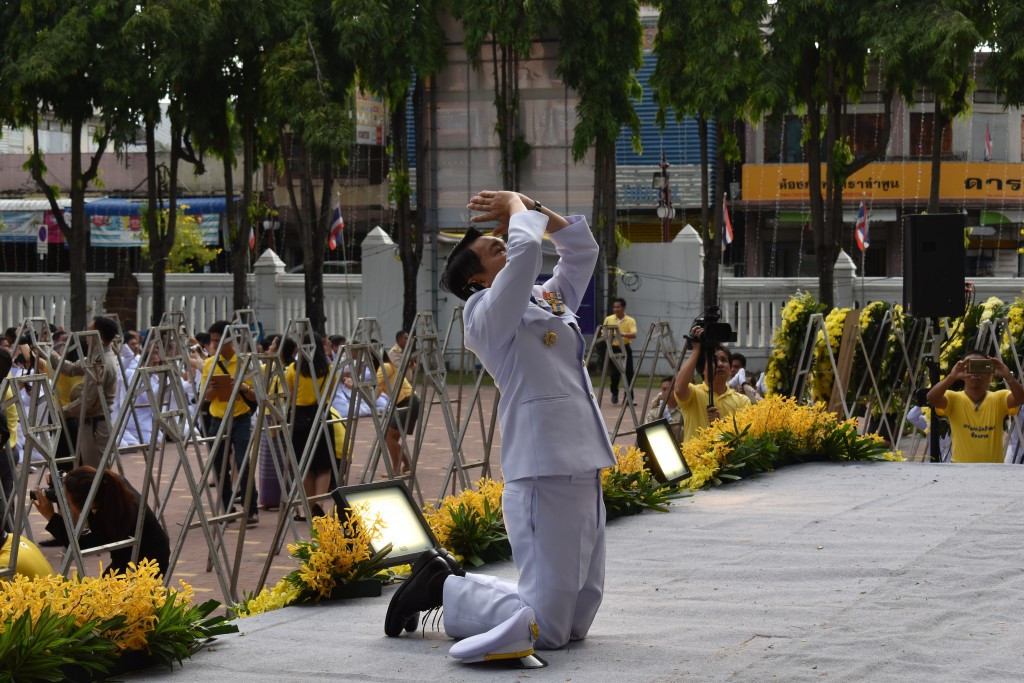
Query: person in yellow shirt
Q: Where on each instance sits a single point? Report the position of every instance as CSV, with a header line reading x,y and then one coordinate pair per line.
x,y
10,425
307,397
692,399
239,422
407,411
976,414
627,327
31,562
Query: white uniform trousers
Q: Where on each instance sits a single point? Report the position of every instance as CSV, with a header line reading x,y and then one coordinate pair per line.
x,y
556,528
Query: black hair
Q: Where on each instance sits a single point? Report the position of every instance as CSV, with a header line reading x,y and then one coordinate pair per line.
x,y
336,339
398,335
114,508
131,334
218,327
974,352
321,366
6,361
740,357
11,333
106,327
287,350
203,338
668,378
462,264
619,300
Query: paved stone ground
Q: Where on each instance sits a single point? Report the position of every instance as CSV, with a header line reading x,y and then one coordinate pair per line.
x,y
192,564
826,571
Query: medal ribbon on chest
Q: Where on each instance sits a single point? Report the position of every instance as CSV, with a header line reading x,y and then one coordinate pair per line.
x,y
555,302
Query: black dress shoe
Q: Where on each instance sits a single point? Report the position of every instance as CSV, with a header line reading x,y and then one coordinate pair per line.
x,y
423,590
50,543
414,619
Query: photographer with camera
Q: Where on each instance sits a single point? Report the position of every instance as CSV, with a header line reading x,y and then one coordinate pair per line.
x,y
111,518
699,407
976,414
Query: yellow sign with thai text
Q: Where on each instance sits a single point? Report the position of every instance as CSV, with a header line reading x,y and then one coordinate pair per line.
x,y
897,180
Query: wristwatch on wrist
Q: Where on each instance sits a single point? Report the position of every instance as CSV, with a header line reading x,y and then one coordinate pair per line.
x,y
536,206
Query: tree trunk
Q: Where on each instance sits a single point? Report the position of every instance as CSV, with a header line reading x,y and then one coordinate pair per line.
x,y
605,219
157,253
75,233
78,239
705,207
312,230
938,127
240,294
231,211
403,218
170,229
713,242
812,150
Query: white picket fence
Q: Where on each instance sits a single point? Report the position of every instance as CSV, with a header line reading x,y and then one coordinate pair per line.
x,y
203,297
751,305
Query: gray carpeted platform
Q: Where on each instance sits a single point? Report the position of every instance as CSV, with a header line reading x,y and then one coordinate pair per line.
x,y
856,572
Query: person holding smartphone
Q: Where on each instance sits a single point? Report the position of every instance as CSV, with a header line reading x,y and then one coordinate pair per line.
x,y
976,414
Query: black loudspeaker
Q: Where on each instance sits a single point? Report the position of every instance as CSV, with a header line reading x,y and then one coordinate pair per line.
x,y
933,265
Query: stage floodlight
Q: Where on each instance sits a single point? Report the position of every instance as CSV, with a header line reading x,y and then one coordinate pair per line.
x,y
662,452
405,528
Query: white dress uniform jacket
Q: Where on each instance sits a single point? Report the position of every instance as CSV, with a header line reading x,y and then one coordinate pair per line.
x,y
551,424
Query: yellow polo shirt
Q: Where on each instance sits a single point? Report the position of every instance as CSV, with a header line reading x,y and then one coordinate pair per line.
x,y
383,388
626,326
218,407
304,395
11,413
63,384
977,432
695,408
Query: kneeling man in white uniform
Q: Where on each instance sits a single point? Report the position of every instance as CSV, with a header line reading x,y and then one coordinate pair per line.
x,y
554,441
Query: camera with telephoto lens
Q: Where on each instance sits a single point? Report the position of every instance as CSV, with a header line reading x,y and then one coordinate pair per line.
x,y
50,493
711,332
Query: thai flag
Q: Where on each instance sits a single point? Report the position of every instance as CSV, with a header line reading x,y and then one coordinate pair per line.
x,y
988,145
252,237
337,225
727,235
861,231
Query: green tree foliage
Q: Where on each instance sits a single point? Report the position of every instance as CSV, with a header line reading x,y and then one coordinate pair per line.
x,y
710,58
932,45
1005,66
67,62
188,254
818,60
601,44
507,29
398,45
308,87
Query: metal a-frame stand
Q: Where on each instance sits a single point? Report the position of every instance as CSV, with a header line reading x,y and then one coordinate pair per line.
x,y
916,349
615,353
467,409
425,340
247,370
805,367
365,354
659,343
89,348
42,433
